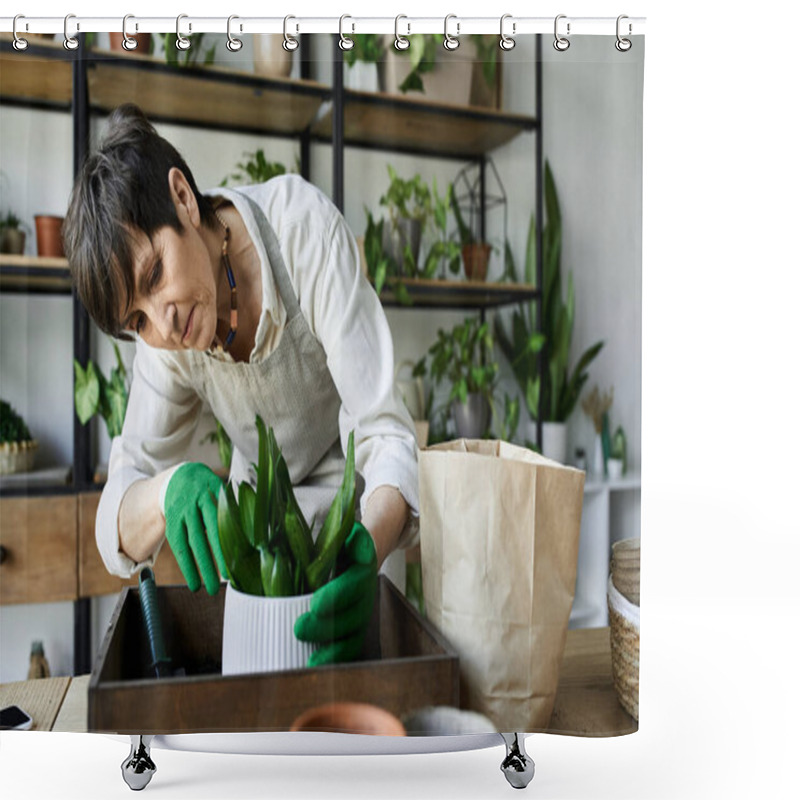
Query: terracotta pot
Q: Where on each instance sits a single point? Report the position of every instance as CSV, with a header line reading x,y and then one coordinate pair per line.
x,y
12,240
349,718
476,260
143,48
48,236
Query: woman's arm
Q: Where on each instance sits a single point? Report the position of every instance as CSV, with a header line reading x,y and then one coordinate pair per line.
x,y
385,517
160,420
140,522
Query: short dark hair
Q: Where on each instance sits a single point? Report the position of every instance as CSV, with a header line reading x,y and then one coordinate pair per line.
x,y
121,188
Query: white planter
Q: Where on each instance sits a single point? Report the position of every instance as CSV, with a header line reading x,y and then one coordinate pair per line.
x,y
269,57
258,633
361,77
554,441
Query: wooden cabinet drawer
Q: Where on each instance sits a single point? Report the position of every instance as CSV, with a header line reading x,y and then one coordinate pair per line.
x,y
40,541
94,579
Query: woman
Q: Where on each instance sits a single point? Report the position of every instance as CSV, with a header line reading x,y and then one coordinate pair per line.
x,y
252,301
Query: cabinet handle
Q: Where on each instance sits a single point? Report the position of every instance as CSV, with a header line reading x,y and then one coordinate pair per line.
x,y
3,553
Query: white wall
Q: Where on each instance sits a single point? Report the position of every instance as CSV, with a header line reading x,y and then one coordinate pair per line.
x,y
592,137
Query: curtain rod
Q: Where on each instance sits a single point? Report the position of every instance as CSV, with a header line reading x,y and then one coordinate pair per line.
x,y
456,26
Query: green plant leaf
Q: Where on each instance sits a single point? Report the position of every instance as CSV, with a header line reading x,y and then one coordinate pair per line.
x,y
87,391
380,275
530,254
337,525
247,511
401,293
532,391
263,489
266,564
241,559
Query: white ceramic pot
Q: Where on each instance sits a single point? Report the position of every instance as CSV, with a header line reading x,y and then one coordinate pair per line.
x,y
258,633
269,57
362,77
614,469
554,441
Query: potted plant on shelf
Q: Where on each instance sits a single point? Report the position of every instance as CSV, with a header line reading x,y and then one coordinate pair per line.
x,y
596,406
270,58
409,204
256,169
458,356
444,249
380,269
424,66
96,394
12,237
144,43
17,446
555,395
48,236
191,57
474,253
272,561
362,61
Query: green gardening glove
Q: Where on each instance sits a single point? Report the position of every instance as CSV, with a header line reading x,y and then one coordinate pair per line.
x,y
190,509
341,609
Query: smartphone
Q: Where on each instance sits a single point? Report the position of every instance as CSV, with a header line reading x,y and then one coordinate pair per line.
x,y
13,718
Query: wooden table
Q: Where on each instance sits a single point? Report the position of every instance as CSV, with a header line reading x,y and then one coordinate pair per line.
x,y
586,703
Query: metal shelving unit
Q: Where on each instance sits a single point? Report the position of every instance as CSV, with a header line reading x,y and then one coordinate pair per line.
x,y
91,83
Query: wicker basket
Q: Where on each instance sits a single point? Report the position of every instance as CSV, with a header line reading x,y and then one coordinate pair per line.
x,y
624,620
625,560
17,456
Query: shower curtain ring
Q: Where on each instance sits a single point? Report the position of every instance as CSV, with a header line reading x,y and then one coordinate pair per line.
x,y
623,45
561,43
19,43
233,44
506,41
345,42
290,44
400,42
181,42
128,42
451,42
70,42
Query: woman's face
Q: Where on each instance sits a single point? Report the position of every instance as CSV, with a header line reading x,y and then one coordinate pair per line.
x,y
174,306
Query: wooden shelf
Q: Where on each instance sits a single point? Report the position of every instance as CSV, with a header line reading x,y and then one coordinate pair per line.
x,y
39,76
221,98
33,274
446,294
402,124
212,97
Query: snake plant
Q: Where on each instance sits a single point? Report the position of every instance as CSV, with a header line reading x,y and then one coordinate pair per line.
x,y
265,539
555,395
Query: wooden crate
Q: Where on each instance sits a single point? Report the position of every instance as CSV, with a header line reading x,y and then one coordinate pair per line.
x,y
407,665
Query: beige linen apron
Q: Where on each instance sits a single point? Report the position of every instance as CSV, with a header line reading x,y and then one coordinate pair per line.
x,y
291,389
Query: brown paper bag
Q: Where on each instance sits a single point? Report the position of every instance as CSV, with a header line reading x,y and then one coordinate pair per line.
x,y
499,530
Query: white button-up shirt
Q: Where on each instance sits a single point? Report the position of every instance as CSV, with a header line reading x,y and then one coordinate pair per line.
x,y
344,314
